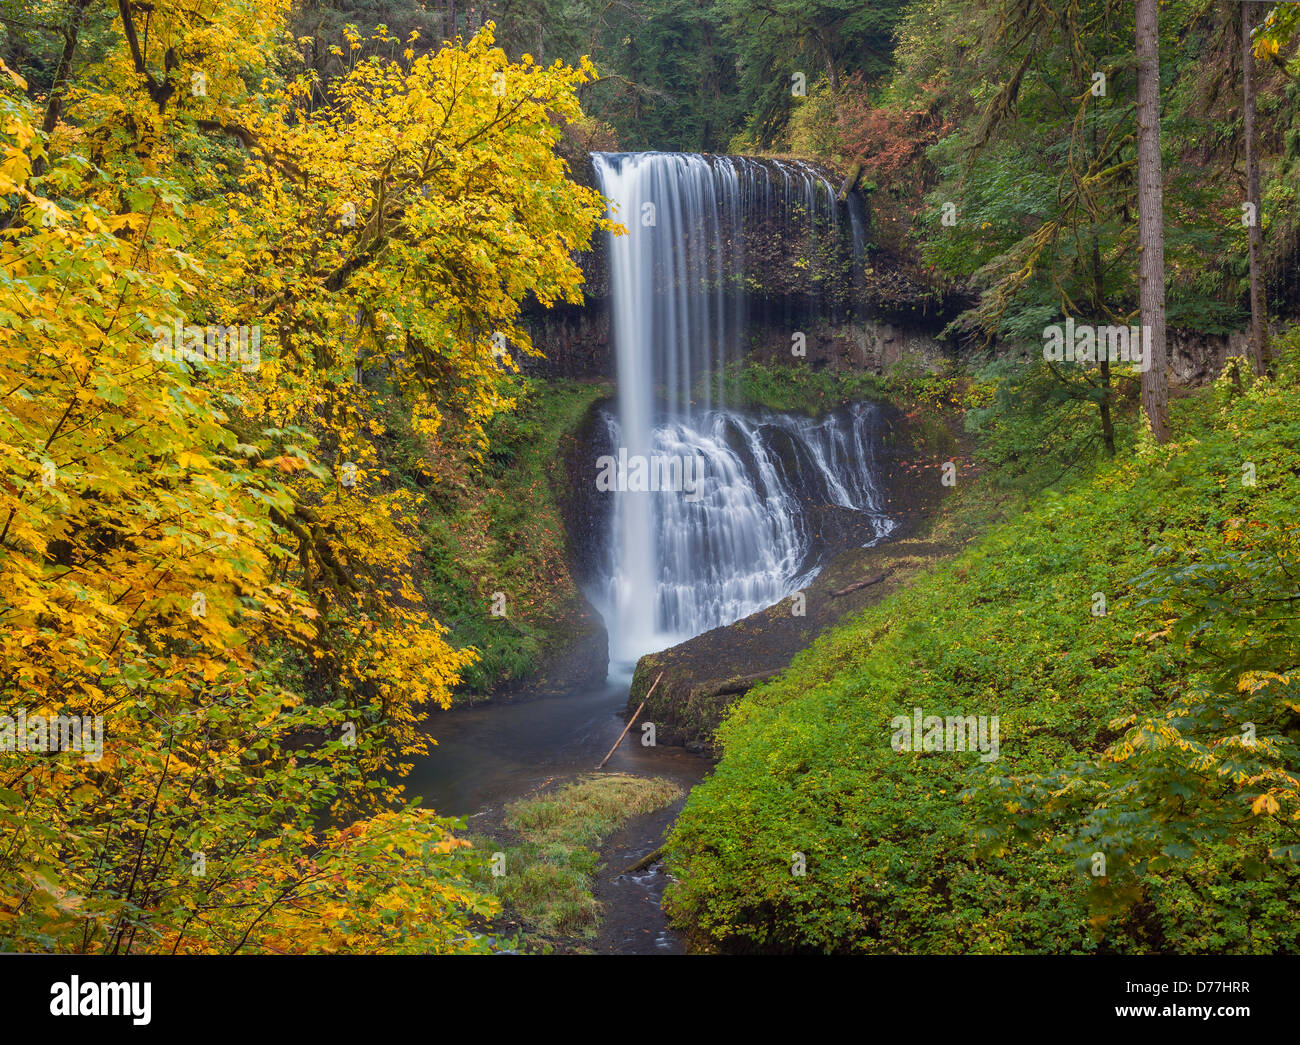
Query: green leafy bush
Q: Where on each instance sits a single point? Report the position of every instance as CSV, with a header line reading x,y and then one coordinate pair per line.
x,y
939,852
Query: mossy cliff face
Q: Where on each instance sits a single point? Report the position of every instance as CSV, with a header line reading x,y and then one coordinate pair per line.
x,y
584,511
870,315
798,275
493,530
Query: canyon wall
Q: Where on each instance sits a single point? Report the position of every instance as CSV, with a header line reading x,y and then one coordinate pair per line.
x,y
858,308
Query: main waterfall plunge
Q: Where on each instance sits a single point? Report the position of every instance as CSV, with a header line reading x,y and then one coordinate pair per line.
x,y
676,563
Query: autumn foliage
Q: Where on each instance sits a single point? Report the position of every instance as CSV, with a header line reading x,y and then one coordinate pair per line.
x,y
206,552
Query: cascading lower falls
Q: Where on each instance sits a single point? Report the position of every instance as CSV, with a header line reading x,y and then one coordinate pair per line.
x,y
716,512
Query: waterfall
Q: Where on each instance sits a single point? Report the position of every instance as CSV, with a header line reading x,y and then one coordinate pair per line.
x,y
714,509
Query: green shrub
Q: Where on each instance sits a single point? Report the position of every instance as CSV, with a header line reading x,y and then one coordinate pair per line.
x,y
910,851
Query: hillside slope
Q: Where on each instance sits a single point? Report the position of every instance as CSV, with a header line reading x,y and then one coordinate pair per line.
x,y
950,851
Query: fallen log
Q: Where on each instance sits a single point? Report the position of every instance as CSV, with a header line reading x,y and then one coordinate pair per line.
x,y
739,684
860,584
629,724
851,182
644,862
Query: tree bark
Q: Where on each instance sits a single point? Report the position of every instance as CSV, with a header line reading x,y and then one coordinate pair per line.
x,y
62,76
1151,235
63,72
1259,351
159,91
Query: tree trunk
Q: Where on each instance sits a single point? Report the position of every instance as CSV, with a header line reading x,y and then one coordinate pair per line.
x,y
1098,299
62,75
1151,234
1259,353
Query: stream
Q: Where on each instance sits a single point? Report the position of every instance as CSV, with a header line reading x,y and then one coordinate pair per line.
x,y
493,754
743,524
